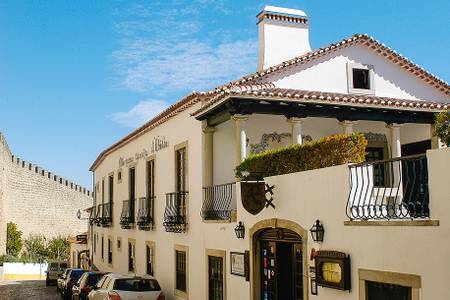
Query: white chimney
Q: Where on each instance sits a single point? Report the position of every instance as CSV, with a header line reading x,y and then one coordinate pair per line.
x,y
283,34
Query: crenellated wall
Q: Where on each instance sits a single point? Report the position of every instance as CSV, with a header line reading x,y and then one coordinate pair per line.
x,y
37,200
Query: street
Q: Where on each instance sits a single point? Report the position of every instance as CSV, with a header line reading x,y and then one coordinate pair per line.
x,y
30,289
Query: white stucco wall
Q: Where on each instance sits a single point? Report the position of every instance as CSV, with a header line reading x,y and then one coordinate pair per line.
x,y
329,74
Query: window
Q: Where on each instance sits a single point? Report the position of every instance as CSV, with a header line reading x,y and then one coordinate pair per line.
x,y
360,78
119,244
149,255
103,190
378,285
215,278
379,290
180,169
379,172
151,178
95,243
119,176
110,252
180,271
111,194
131,256
103,249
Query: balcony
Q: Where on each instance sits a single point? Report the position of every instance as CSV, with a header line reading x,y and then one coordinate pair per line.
x,y
145,213
98,215
389,189
219,202
92,215
175,218
106,218
127,215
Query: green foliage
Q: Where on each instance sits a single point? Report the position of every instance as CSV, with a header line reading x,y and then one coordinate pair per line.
x,y
35,248
326,152
13,239
58,248
8,258
442,128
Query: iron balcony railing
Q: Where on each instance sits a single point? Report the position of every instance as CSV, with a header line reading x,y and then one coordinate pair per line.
x,y
98,215
92,216
106,218
175,218
127,215
219,201
145,213
389,189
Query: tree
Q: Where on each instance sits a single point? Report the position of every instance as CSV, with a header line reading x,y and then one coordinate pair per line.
x,y
13,239
58,248
35,248
442,128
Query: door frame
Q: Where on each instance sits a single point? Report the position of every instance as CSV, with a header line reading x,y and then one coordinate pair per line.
x,y
255,267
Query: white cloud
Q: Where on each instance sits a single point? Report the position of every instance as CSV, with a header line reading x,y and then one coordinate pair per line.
x,y
168,50
140,113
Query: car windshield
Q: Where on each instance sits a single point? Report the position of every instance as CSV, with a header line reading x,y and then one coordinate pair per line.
x,y
136,285
94,278
54,267
75,274
62,266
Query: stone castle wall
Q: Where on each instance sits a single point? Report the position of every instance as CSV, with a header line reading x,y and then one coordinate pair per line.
x,y
38,201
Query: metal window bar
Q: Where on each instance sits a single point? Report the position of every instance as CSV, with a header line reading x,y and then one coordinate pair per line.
x,y
98,214
92,216
219,201
127,215
106,215
145,213
175,219
404,194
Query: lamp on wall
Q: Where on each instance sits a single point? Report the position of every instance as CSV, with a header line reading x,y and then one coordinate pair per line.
x,y
317,232
240,230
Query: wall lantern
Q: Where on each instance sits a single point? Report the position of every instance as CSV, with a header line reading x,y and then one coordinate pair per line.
x,y
317,232
240,230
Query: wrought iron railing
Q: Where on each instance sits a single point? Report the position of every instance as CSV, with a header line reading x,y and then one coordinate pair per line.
x,y
92,215
175,218
219,201
145,213
389,189
127,215
98,215
106,218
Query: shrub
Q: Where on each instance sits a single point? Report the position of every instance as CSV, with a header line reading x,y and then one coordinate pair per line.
x,y
58,248
35,248
13,239
442,128
326,152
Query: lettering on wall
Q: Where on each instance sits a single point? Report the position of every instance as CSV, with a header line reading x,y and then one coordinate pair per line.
x,y
158,143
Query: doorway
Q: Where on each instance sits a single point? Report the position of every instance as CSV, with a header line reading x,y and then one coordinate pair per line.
x,y
281,264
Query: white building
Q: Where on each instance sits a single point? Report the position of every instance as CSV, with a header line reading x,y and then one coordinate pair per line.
x,y
167,201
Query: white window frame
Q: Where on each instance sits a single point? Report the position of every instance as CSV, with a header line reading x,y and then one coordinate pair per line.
x,y
351,89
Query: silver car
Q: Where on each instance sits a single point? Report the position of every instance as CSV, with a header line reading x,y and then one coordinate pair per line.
x,y
115,286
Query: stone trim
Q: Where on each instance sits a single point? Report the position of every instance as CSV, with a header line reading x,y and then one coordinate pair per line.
x,y
393,223
178,293
254,263
408,280
223,255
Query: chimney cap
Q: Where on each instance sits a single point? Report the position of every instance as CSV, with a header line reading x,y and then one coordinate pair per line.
x,y
283,11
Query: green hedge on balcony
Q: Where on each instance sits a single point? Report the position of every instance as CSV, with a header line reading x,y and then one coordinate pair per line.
x,y
326,152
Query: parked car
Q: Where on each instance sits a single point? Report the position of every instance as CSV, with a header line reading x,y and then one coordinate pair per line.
x,y
85,284
54,270
115,286
61,279
71,279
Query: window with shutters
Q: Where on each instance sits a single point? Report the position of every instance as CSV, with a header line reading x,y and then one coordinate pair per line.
x,y
181,271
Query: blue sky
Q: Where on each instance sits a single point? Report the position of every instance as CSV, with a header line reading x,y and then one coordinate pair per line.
x,y
75,76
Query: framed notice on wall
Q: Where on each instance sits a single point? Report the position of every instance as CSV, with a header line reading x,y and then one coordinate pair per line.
x,y
312,276
237,260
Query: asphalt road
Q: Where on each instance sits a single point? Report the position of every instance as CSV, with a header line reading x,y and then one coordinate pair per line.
x,y
30,289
